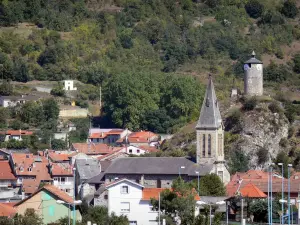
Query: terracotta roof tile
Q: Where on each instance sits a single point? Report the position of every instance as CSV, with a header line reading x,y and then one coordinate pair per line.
x,y
53,190
93,148
148,148
139,137
56,157
7,210
19,132
60,169
251,191
105,134
6,172
149,193
30,186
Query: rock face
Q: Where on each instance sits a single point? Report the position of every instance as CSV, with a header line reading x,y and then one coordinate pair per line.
x,y
262,130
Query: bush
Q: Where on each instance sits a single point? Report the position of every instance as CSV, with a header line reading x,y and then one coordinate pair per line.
x,y
250,104
233,121
262,155
254,8
289,9
296,60
58,90
272,17
274,107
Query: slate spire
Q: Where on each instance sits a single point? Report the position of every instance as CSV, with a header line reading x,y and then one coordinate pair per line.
x,y
210,116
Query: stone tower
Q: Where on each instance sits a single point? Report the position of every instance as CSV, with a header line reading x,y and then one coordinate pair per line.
x,y
253,77
210,134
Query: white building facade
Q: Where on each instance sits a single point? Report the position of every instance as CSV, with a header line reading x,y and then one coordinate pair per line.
x,y
126,198
64,183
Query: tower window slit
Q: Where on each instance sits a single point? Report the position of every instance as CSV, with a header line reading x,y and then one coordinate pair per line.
x,y
203,145
209,145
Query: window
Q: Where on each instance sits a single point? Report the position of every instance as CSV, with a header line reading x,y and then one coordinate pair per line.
x,y
220,174
220,145
158,183
138,151
124,189
55,179
130,151
105,197
62,180
132,222
209,145
68,190
203,145
125,207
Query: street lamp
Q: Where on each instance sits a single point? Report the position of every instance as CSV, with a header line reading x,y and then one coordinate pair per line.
x,y
182,167
270,194
197,172
289,194
78,202
282,193
74,196
210,204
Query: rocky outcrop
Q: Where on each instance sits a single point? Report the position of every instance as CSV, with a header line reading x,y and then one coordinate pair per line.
x,y
262,130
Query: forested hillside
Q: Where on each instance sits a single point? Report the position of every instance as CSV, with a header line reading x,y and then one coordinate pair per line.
x,y
151,57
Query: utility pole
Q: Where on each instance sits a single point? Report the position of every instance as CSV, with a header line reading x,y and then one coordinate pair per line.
x,y
159,208
100,98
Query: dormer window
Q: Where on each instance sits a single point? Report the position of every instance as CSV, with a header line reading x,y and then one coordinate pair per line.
x,y
30,169
21,169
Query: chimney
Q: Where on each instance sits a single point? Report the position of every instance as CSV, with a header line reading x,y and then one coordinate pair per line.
x,y
33,164
23,194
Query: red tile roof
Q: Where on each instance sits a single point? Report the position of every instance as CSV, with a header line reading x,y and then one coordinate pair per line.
x,y
58,157
260,180
139,137
19,132
6,172
148,148
61,169
102,135
6,210
149,193
251,191
30,186
30,165
93,148
53,190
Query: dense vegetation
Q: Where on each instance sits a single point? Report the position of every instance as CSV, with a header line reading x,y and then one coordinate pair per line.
x,y
133,47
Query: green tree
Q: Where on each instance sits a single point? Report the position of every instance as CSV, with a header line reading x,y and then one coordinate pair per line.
x,y
239,161
58,90
254,8
211,185
296,60
29,218
99,215
290,9
58,144
6,88
179,201
50,108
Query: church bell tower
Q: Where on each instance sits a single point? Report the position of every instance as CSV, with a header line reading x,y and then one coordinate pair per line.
x,y
210,134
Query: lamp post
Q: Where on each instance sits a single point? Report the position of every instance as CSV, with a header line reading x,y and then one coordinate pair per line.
x,y
74,196
289,194
197,172
78,202
210,204
182,167
271,193
282,193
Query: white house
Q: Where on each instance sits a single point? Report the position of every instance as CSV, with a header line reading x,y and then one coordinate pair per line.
x,y
11,101
139,150
69,85
128,198
125,197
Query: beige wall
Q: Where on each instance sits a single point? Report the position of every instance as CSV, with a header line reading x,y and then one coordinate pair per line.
x,y
33,203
